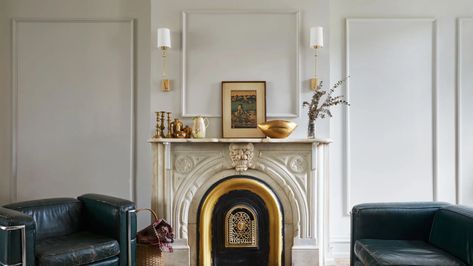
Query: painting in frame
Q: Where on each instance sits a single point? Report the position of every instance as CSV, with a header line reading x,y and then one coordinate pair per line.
x,y
243,108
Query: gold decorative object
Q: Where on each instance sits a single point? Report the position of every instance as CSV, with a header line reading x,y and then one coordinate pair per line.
x,y
269,199
188,131
180,135
169,134
165,85
176,128
157,133
162,124
277,128
241,227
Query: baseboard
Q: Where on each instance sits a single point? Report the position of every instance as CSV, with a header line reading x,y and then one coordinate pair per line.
x,y
339,248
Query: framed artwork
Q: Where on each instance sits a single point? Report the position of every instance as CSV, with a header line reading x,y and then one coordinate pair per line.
x,y
243,108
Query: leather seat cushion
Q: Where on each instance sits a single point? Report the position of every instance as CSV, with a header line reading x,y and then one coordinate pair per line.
x,y
76,249
376,252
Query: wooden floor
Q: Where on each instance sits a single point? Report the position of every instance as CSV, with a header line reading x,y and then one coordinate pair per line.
x,y
342,262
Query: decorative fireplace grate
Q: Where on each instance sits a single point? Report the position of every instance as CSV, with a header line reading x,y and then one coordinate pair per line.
x,y
241,227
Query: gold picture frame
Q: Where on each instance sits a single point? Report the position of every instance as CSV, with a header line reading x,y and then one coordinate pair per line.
x,y
243,108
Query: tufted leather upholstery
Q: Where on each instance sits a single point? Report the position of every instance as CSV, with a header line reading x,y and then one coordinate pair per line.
x,y
90,230
411,234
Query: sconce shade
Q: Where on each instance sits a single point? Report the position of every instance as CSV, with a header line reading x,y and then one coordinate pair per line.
x,y
316,37
164,38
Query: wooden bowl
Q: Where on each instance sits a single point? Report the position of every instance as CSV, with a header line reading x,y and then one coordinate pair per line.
x,y
277,128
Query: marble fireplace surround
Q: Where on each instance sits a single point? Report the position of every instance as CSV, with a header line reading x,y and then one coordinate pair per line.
x,y
295,169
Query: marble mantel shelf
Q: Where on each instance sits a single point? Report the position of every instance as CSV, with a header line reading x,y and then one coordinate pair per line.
x,y
240,140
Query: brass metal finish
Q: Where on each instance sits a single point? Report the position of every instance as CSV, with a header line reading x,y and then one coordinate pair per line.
x,y
241,227
161,128
177,129
169,134
274,211
165,82
188,131
165,85
277,128
314,84
157,133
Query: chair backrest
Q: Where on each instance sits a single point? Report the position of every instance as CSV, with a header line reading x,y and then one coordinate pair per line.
x,y
53,217
452,231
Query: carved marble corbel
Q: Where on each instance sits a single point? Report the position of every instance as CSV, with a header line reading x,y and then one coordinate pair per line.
x,y
242,156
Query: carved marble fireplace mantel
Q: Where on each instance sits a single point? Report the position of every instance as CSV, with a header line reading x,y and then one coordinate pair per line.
x,y
295,169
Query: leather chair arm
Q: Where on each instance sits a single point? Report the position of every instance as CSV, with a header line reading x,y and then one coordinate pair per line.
x,y
401,221
115,218
13,224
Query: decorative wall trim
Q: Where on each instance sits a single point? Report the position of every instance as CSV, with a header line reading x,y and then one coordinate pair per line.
x,y
458,110
297,86
338,247
14,71
347,136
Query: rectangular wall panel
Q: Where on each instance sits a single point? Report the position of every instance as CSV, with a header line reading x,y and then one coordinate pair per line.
x,y
465,70
74,107
240,45
391,128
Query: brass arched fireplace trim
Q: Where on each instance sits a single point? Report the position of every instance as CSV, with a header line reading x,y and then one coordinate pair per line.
x,y
274,211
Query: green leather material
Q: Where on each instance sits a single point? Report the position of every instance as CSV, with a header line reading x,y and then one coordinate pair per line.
x,y
452,231
10,241
53,217
375,252
76,249
406,221
108,262
108,216
60,218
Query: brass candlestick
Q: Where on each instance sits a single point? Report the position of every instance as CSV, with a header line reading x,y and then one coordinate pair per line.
x,y
161,128
169,134
158,134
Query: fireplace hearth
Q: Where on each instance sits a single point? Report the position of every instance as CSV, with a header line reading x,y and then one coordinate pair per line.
x,y
240,222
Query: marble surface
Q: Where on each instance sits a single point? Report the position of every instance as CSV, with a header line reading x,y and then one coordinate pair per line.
x,y
239,140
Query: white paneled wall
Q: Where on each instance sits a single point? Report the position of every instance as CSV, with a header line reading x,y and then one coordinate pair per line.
x,y
73,108
389,108
397,140
74,93
465,110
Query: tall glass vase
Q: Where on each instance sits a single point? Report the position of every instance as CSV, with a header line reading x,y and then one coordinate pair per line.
x,y
311,129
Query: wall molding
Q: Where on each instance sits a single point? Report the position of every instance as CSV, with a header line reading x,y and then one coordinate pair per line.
x,y
184,83
14,88
458,109
338,246
434,102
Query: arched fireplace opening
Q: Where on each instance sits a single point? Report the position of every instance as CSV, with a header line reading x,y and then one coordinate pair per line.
x,y
240,222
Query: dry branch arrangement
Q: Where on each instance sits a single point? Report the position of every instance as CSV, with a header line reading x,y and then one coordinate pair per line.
x,y
322,100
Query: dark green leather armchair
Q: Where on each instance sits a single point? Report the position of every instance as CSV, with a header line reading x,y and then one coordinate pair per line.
x,y
411,234
90,230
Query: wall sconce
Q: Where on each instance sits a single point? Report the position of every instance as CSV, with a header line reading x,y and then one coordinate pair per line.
x,y
164,43
316,42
